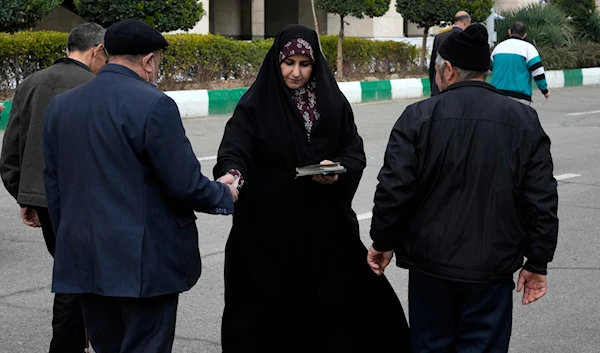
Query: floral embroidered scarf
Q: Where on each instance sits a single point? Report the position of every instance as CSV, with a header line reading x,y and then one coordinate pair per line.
x,y
305,98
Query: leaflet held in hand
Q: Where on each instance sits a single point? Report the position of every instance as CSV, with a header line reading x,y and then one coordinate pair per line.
x,y
320,169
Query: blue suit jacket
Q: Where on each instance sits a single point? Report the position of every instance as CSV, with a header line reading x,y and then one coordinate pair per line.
x,y
122,184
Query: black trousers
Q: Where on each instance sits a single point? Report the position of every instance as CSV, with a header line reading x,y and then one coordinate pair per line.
x,y
68,331
130,325
453,317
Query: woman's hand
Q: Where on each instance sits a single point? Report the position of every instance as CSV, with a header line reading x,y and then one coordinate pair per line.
x,y
323,179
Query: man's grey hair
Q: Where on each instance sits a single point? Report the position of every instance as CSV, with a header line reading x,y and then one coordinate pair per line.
x,y
462,73
85,36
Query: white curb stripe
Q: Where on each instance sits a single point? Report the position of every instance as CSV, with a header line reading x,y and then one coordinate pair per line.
x,y
407,88
555,79
192,104
591,76
352,91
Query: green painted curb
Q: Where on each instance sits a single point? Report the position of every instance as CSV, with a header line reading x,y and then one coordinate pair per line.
x,y
573,78
224,101
426,87
376,91
4,115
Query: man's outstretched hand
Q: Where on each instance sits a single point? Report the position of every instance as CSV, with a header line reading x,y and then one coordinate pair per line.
x,y
232,183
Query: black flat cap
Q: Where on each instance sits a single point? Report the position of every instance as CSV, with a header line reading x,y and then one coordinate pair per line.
x,y
468,49
133,37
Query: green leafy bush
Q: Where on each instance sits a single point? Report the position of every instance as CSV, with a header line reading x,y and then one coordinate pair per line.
x,y
578,55
479,10
23,53
163,15
366,57
579,10
428,13
18,15
546,24
592,28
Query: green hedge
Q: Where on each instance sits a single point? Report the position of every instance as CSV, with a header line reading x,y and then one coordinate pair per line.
x,y
25,52
575,56
202,59
196,61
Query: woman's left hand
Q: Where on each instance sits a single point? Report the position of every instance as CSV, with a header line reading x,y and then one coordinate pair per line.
x,y
326,180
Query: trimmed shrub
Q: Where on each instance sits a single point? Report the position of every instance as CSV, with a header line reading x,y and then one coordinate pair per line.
x,y
575,56
363,57
23,53
199,61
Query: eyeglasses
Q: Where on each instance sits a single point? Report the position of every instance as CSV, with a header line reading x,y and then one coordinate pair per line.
x,y
105,52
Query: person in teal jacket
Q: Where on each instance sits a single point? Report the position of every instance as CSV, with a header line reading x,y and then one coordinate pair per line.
x,y
514,62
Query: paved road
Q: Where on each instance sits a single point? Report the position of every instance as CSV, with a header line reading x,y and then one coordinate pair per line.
x,y
567,320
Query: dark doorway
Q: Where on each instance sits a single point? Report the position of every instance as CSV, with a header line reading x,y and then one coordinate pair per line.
x,y
278,14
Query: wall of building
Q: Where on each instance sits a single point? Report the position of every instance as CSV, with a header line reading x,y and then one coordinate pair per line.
x,y
278,14
501,5
258,19
225,18
354,27
391,25
305,16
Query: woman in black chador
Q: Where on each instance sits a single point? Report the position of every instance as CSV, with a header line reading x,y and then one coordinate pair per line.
x,y
296,275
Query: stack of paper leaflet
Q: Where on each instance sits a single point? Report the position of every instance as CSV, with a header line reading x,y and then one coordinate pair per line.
x,y
320,169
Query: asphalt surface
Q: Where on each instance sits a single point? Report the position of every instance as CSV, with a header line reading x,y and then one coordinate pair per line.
x,y
566,320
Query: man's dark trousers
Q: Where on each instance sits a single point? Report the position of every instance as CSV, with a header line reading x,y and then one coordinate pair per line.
x,y
454,317
131,325
68,330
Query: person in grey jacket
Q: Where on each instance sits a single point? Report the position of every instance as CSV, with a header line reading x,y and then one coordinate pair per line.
x,y
22,159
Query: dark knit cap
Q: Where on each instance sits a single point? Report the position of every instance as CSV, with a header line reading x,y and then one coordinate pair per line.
x,y
468,49
133,37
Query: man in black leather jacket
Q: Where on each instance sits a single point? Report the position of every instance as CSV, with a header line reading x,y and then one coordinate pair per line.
x,y
465,194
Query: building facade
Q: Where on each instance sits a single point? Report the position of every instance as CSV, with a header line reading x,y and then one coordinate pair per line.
x,y
255,19
251,19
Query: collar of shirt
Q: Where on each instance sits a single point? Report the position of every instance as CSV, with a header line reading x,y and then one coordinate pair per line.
x,y
66,60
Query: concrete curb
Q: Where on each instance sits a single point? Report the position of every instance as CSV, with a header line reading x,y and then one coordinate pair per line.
x,y
201,103
195,103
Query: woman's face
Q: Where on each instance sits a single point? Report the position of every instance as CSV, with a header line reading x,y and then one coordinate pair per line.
x,y
296,70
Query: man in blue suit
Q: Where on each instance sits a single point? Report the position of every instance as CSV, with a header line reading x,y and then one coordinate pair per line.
x,y
122,184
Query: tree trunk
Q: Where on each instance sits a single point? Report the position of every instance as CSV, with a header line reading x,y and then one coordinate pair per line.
x,y
424,48
340,57
314,12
